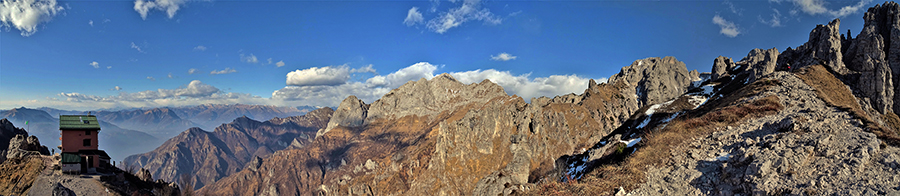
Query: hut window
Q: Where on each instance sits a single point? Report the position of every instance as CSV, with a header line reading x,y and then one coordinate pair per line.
x,y
86,142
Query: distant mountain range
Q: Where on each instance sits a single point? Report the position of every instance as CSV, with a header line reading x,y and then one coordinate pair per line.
x,y
209,156
134,131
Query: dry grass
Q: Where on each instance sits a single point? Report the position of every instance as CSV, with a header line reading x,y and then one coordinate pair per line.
x,y
656,147
16,175
836,94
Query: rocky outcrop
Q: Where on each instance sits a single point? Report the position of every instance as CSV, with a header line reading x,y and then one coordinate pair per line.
x,y
822,48
351,112
209,156
873,57
430,97
23,145
7,132
721,67
759,63
655,80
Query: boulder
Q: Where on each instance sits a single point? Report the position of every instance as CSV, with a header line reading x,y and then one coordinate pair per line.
x,y
60,190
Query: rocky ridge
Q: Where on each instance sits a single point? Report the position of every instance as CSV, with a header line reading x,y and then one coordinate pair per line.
x,y
209,156
440,136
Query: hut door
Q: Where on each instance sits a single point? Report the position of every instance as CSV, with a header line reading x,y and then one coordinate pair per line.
x,y
84,164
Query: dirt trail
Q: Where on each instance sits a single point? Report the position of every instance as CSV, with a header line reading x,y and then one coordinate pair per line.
x,y
79,184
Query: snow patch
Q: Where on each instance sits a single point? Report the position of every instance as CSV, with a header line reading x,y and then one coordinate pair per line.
x,y
643,124
631,143
653,108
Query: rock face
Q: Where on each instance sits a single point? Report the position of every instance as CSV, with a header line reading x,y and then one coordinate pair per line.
x,y
759,63
351,112
439,136
209,156
873,57
823,48
721,66
655,80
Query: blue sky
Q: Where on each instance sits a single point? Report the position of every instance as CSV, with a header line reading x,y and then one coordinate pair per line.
x,y
90,55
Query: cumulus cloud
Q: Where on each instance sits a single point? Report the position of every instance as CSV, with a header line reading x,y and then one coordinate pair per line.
x,y
170,75
151,78
136,47
227,70
192,71
468,10
727,28
503,57
169,6
523,86
413,17
25,15
108,67
117,88
200,48
94,64
315,76
279,64
249,58
91,22
194,93
375,87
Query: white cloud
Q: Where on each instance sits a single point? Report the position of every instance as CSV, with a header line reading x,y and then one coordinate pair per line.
x,y
367,89
727,28
170,75
227,70
192,71
117,88
91,22
270,61
108,67
523,86
774,22
136,47
200,48
279,64
94,64
316,76
25,15
375,87
816,7
469,10
503,57
169,6
413,17
151,78
249,58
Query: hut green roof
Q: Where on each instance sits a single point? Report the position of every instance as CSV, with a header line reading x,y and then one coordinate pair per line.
x,y
82,122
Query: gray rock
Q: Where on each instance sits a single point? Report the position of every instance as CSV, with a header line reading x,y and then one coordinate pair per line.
x,y
655,79
822,48
721,66
874,56
351,113
144,175
429,97
60,190
760,62
23,145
